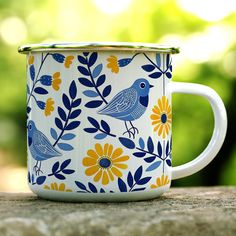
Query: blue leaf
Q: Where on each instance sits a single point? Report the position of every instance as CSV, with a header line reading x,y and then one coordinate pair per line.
x,y
150,159
72,125
29,179
106,91
139,154
76,102
168,162
168,75
105,126
122,185
32,178
154,166
158,59
32,72
40,90
65,163
41,105
28,109
143,181
55,167
92,187
102,190
94,104
86,53
167,60
137,189
66,101
130,180
141,143
97,70
83,70
58,123
138,174
90,130
59,176
155,75
68,136
58,57
100,136
40,180
82,60
93,122
124,62
46,80
80,185
101,80
159,149
75,114
85,82
150,145
73,90
90,93
148,67
128,143
68,171
61,113
65,146
53,133
92,58
171,68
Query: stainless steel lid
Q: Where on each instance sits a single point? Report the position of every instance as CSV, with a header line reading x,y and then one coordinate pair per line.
x,y
98,46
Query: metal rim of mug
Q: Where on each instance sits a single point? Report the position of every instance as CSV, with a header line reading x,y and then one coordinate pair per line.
x,y
98,46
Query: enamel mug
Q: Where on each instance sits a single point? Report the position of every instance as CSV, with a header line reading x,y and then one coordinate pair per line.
x,y
99,121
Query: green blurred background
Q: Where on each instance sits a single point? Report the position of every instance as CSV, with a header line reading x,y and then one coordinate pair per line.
x,y
204,29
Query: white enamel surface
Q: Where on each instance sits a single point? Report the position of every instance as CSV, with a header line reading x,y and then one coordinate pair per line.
x,y
219,132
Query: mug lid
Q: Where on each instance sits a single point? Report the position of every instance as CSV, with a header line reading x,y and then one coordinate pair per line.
x,y
98,46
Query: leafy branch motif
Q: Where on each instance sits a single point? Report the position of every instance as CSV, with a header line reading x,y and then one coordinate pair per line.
x,y
91,188
58,170
103,129
95,79
155,158
38,181
65,115
45,80
133,181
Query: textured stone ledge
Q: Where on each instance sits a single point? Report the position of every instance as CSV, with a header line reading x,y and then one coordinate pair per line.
x,y
181,211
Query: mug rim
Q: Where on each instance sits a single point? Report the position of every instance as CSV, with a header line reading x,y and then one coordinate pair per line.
x,y
98,46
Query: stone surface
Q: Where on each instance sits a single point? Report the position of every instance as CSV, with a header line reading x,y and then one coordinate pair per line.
x,y
181,211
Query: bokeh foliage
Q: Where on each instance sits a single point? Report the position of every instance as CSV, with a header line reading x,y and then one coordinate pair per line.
x,y
208,57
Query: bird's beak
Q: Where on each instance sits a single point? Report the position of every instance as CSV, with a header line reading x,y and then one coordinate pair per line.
x,y
150,86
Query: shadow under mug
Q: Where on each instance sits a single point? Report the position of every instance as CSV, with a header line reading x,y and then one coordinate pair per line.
x,y
99,121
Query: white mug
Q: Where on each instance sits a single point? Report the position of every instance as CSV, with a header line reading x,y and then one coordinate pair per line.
x,y
99,121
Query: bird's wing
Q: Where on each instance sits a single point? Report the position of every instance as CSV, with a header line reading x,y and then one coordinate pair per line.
x,y
121,103
43,146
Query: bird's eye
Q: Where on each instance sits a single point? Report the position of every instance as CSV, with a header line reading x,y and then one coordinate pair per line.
x,y
30,126
142,85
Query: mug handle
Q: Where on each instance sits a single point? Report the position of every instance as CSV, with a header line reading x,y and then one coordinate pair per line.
x,y
217,139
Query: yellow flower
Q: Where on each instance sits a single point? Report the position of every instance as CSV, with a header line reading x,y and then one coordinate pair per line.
x,y
113,64
49,108
68,61
55,187
31,60
162,117
105,162
161,181
56,81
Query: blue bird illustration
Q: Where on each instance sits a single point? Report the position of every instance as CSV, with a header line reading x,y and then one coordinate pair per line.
x,y
129,104
40,147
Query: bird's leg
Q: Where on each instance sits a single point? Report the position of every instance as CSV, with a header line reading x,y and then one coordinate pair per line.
x,y
37,169
128,131
135,130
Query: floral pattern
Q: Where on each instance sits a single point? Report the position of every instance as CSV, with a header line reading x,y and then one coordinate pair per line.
x,y
162,117
161,181
103,167
105,162
57,187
